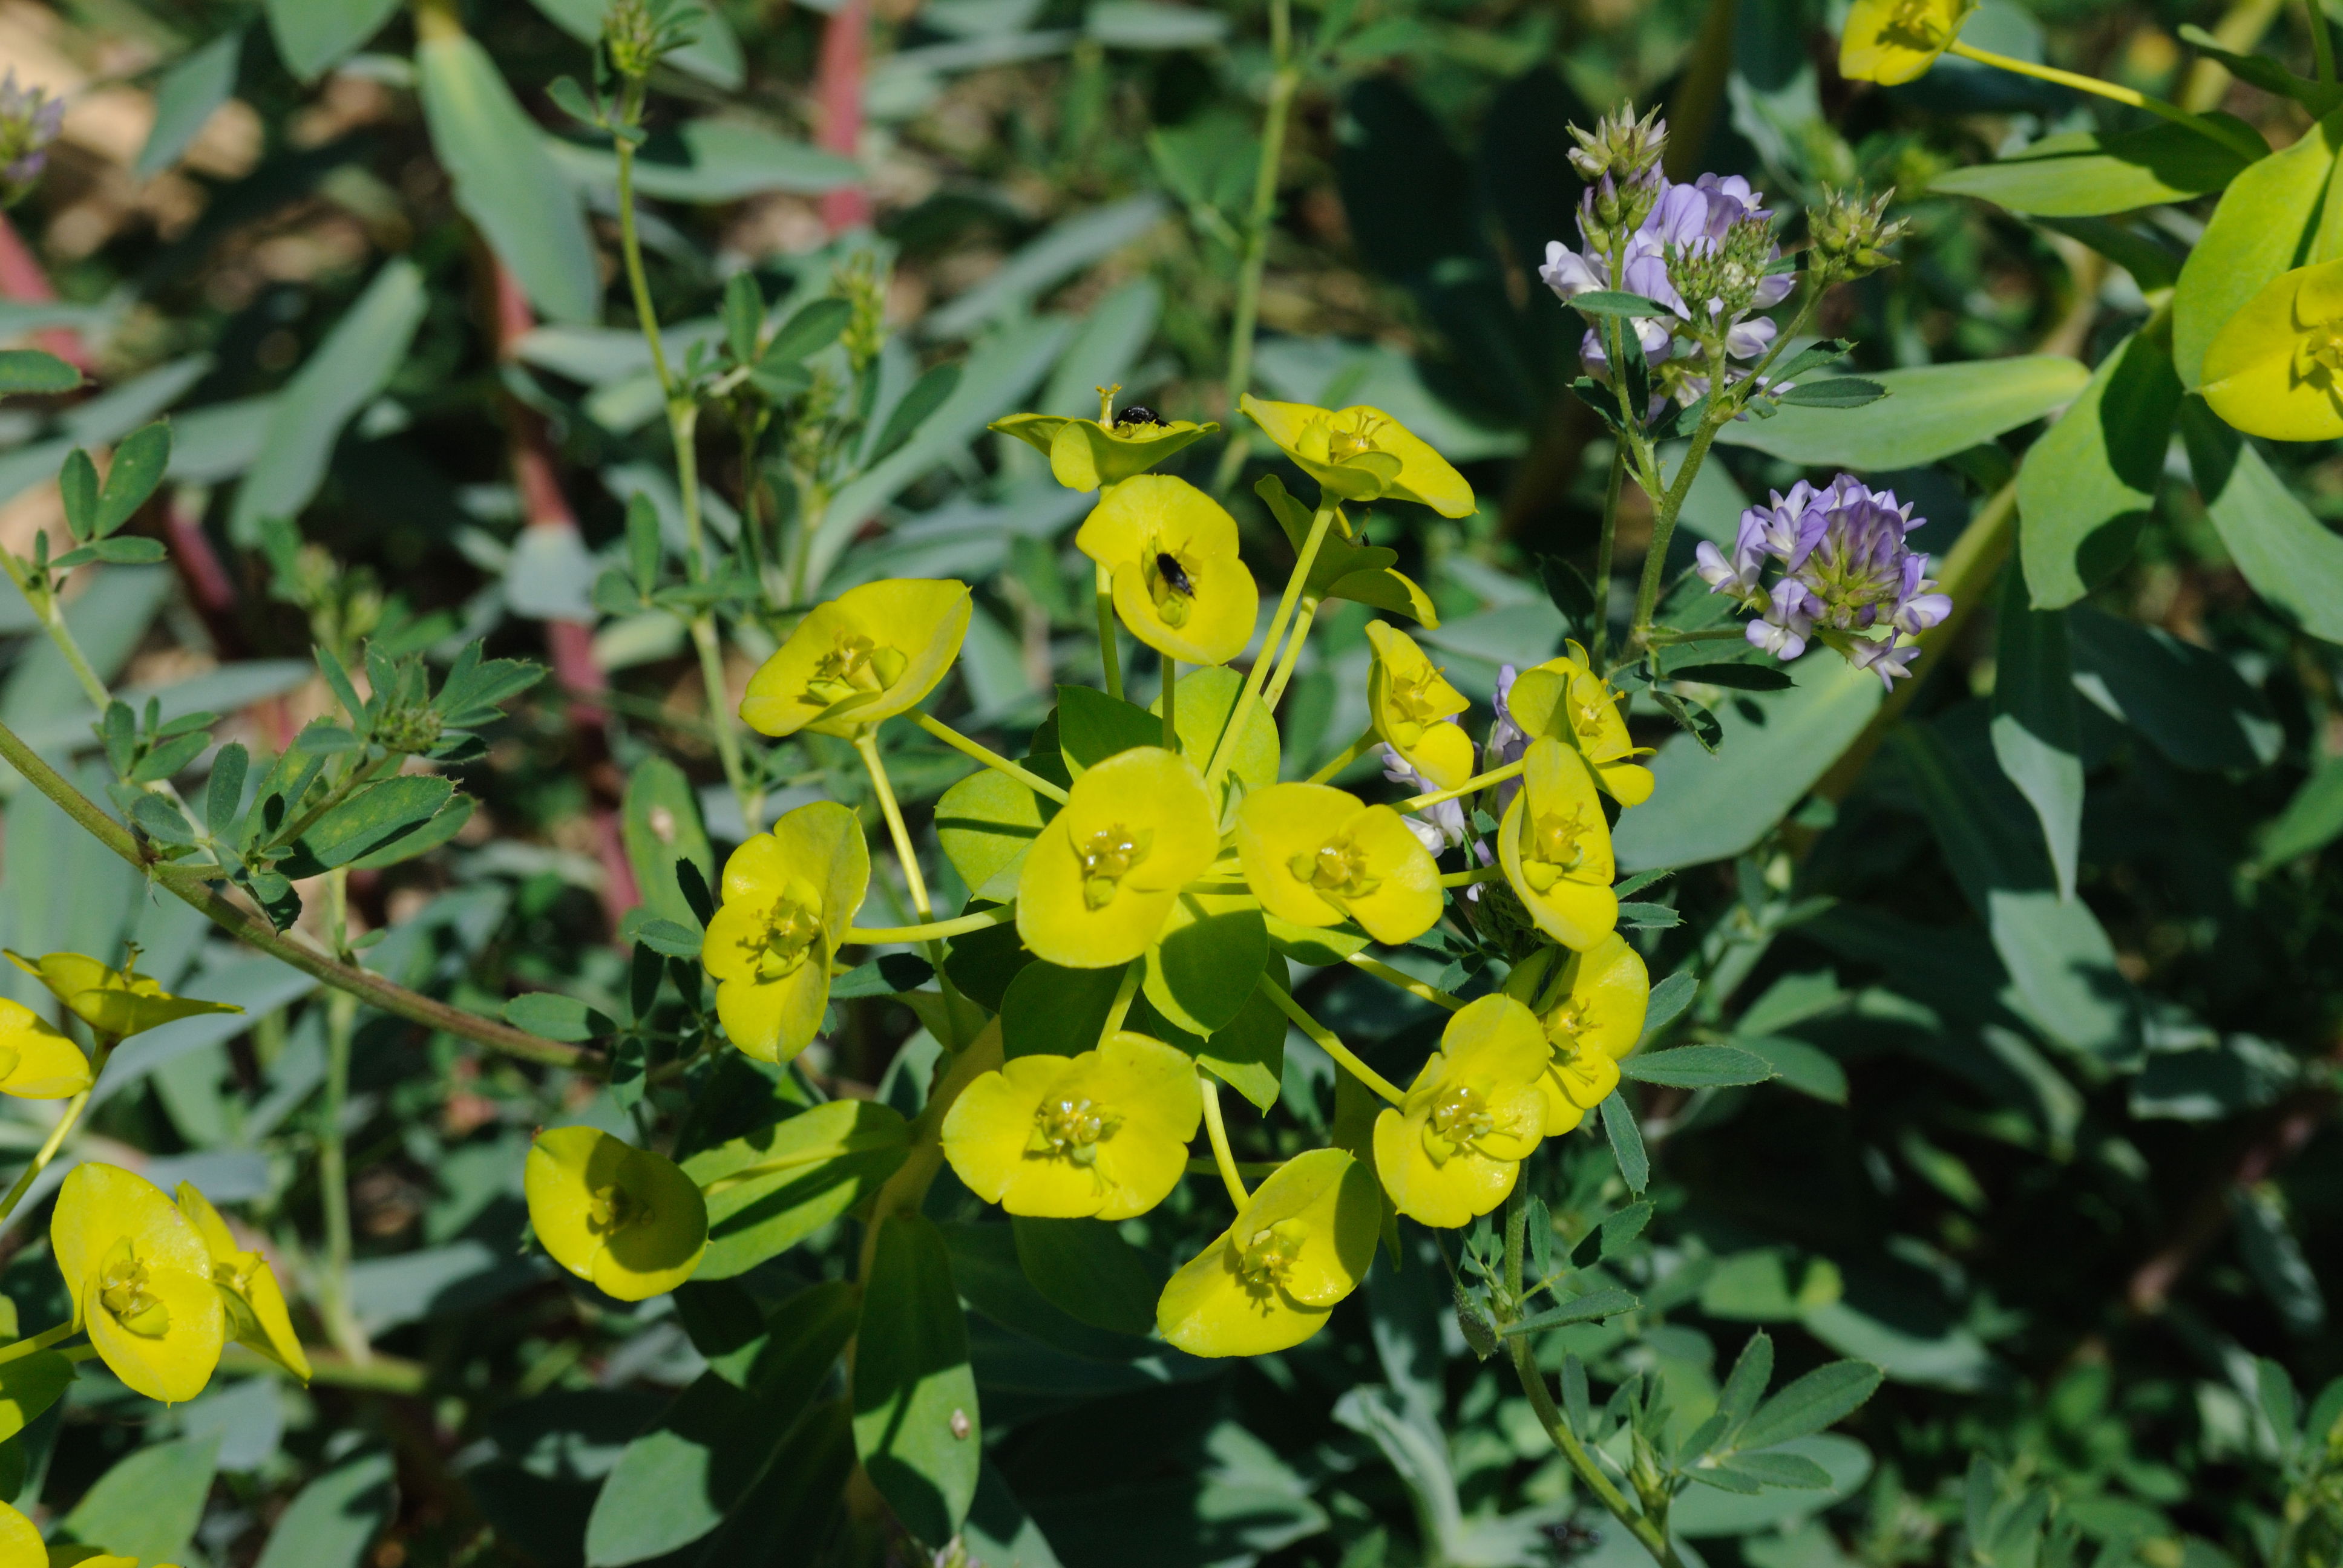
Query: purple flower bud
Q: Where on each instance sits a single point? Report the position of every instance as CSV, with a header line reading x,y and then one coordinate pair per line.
x,y
1885,658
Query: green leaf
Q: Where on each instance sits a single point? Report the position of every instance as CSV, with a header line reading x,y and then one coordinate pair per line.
x,y
2037,732
1666,1003
367,822
557,1017
1821,1397
985,823
1248,1052
1736,677
1698,1067
804,1339
713,55
2089,483
1794,1469
506,181
992,1279
1051,1010
2293,561
1836,392
916,1423
345,374
798,1499
1207,697
1701,1513
982,964
678,1481
1930,412
1608,302
29,370
1088,1269
810,328
224,790
889,974
185,98
78,489
1626,1142
313,35
147,1506
1607,1302
29,1385
925,396
2152,265
2309,822
1204,967
676,942
1093,726
442,829
772,1188
2318,97
1808,1069
661,825
333,1519
2087,173
1753,1369
2188,701
134,551
2265,224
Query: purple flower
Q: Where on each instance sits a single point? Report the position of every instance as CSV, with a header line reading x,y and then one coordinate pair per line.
x,y
1886,659
1436,828
29,121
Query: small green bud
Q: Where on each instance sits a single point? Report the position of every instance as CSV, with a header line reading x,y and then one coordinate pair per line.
x,y
1851,236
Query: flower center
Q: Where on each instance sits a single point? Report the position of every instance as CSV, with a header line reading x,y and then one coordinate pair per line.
x,y
122,1290
614,1208
1552,848
1917,24
1565,1024
1264,1261
1415,703
1170,583
2322,345
1109,856
1068,1128
855,665
791,928
1337,869
1342,443
1459,1116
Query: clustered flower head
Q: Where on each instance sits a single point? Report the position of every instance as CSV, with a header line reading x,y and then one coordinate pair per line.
x,y
1619,160
1848,576
29,122
1849,236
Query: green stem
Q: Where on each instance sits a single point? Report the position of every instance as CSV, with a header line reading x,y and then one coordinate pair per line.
x,y
36,1343
1283,85
57,1138
986,755
1217,1129
1602,551
1581,1463
1275,692
1171,703
1664,523
867,745
1239,715
1109,654
1478,781
334,1180
2244,143
2322,42
61,636
1366,742
983,919
1126,990
1331,1043
1404,981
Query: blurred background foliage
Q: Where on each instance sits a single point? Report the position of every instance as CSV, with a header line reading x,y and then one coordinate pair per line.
x,y
2081,1234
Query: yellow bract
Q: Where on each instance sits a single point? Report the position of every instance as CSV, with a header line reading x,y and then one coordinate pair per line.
x,y
256,1318
1891,41
1591,1006
1299,1246
36,1062
1093,454
140,1277
869,654
1453,1150
1178,584
80,1557
1564,700
1315,856
623,1218
2276,369
789,897
1103,1135
1556,847
1411,705
1362,454
114,1003
20,1541
1101,880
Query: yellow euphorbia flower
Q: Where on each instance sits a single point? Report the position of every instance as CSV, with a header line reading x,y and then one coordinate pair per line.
x,y
1453,1150
869,654
1178,584
141,1282
1315,856
1101,880
789,897
1093,454
2276,369
36,1062
1300,1245
622,1218
1891,41
114,1003
1362,454
1103,1135
256,1318
1411,704
1591,1006
79,1557
1556,847
1564,699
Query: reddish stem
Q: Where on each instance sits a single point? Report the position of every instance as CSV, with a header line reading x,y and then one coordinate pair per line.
x,y
21,277
845,42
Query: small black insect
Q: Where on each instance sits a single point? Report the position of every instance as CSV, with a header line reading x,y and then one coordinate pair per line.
x,y
1139,413
1175,574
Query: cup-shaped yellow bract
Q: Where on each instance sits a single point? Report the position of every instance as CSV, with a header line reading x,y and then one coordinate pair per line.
x,y
2276,368
1891,41
1362,454
36,1062
1091,455
869,654
789,897
1317,856
625,1219
1299,1246
1178,584
1556,847
114,1003
1103,1135
1453,1147
1413,708
1591,1006
1101,880
1564,699
256,1318
141,1282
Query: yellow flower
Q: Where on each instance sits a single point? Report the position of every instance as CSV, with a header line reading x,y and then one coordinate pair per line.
x,y
114,1003
1452,1151
869,654
622,1218
2276,368
1093,454
141,1282
20,1541
1591,1006
79,1557
1103,1135
1101,880
1267,1282
36,1062
1178,584
789,897
1564,699
1362,454
257,1317
1556,847
1411,704
1891,41
1315,856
